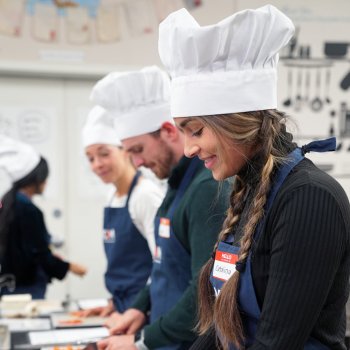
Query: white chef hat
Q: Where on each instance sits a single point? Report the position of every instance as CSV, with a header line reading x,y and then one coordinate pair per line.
x,y
138,100
99,129
18,159
227,67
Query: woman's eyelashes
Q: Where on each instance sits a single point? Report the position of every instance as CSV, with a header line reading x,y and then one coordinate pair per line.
x,y
198,132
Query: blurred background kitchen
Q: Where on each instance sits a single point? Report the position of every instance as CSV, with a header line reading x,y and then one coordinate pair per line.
x,y
53,51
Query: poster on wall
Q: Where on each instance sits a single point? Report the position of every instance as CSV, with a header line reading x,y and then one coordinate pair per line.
x,y
123,32
11,17
34,126
314,78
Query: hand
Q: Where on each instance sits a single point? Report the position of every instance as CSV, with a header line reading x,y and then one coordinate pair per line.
x,y
77,269
101,311
117,342
114,319
58,256
127,323
123,347
107,310
95,311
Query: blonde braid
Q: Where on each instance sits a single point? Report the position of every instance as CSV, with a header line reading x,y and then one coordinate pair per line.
x,y
265,130
206,295
257,209
226,306
235,210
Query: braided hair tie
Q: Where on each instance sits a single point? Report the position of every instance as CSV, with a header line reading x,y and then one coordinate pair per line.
x,y
240,266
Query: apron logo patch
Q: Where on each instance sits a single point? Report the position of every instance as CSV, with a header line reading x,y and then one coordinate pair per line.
x,y
109,235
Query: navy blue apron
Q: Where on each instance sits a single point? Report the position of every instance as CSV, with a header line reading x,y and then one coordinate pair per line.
x,y
171,273
129,260
227,254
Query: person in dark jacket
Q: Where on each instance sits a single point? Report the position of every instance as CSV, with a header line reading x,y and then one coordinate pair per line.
x,y
25,241
279,274
186,222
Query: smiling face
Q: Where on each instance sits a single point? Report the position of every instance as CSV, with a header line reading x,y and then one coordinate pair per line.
x,y
107,162
221,155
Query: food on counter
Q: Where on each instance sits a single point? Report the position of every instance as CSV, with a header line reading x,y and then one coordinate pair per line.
x,y
70,322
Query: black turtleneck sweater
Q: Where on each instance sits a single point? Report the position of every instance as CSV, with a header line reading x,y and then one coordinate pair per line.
x,y
301,264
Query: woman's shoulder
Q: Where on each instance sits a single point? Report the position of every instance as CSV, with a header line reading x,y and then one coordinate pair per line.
x,y
26,209
306,178
306,173
25,203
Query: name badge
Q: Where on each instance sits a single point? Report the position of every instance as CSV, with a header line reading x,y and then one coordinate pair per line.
x,y
109,235
164,228
224,265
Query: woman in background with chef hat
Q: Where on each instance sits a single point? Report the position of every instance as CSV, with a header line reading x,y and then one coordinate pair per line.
x,y
279,274
25,241
128,230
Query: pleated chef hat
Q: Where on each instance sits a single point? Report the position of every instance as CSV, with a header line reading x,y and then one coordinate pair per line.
x,y
138,100
227,67
99,129
18,159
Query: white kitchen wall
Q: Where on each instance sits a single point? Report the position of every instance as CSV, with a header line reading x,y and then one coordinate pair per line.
x,y
44,99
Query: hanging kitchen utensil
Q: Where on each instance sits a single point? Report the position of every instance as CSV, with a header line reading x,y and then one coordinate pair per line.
x,y
316,104
298,98
288,101
327,85
307,85
347,124
345,82
293,43
304,51
308,51
344,120
336,49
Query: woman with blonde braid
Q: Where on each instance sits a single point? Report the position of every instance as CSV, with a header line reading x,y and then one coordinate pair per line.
x,y
278,278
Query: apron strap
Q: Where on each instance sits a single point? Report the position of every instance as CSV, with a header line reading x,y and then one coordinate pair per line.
x,y
326,145
295,157
132,185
